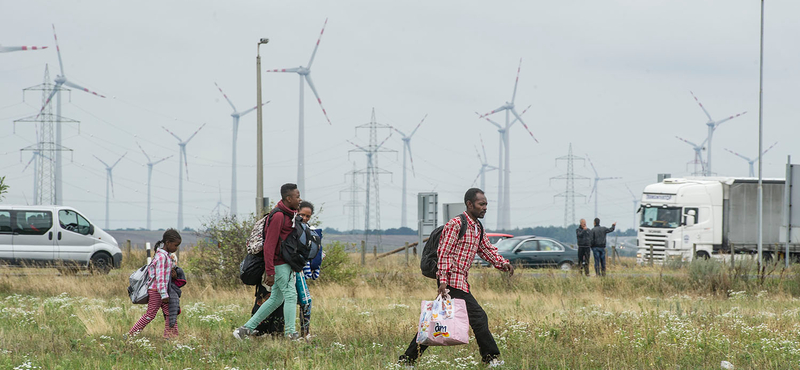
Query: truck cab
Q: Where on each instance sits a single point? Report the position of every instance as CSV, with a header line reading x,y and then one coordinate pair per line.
x,y
678,217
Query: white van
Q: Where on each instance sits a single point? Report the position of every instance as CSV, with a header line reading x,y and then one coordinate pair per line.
x,y
55,236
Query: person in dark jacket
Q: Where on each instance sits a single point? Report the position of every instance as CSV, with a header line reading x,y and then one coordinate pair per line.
x,y
279,274
599,246
584,235
178,279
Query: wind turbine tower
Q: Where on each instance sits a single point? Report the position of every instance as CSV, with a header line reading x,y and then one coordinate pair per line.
x,y
712,126
181,162
698,156
109,182
372,172
407,155
236,115
504,214
751,162
597,179
61,80
485,167
45,148
305,74
569,194
150,165
635,199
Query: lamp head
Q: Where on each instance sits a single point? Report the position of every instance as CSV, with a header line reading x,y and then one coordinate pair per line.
x,y
263,41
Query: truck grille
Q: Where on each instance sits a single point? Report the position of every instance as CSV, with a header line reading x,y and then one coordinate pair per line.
x,y
659,242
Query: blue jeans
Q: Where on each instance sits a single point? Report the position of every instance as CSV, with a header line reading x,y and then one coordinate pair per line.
x,y
599,260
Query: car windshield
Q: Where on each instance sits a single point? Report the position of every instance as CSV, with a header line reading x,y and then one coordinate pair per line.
x,y
506,245
669,217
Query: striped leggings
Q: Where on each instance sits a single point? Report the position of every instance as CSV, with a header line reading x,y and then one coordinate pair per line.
x,y
153,304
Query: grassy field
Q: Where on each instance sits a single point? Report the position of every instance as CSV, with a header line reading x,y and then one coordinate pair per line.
x,y
691,317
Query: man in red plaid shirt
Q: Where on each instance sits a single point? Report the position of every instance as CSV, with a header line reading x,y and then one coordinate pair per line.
x,y
455,259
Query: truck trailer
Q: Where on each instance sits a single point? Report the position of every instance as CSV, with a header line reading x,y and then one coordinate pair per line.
x,y
686,218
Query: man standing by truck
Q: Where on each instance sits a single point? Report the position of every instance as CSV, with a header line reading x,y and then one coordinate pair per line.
x,y
584,235
599,246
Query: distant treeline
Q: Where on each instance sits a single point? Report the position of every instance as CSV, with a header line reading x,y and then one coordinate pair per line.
x,y
555,232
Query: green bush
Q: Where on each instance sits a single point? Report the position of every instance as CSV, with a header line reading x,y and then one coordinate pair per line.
x,y
216,257
337,266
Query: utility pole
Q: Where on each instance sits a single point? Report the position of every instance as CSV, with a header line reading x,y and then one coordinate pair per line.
x,y
259,135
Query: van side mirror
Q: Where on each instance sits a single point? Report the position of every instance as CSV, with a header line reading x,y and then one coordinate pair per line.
x,y
91,229
690,218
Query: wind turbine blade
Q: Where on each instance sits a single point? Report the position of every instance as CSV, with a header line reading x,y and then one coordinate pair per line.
x,y
419,124
226,96
58,50
485,158
771,146
490,121
314,53
30,161
592,164
688,142
120,158
101,161
630,191
504,107
357,146
79,87
702,107
185,163
411,158
162,160
195,133
49,98
314,90
253,108
716,124
479,155
111,179
290,70
384,141
738,155
476,177
514,111
594,189
399,132
170,132
8,49
143,152
516,82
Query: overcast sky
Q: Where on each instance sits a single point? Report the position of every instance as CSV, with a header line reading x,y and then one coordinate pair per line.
x,y
611,77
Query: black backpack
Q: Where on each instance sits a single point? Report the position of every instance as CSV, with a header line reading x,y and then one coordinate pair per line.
x,y
296,253
430,253
251,270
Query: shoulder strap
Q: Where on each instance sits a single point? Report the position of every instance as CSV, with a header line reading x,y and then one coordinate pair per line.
x,y
463,230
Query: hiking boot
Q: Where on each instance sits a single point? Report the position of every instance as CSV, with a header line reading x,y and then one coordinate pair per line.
x,y
406,362
242,333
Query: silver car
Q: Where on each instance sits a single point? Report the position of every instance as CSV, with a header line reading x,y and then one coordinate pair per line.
x,y
55,236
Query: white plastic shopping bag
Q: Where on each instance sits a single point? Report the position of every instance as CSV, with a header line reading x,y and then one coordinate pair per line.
x,y
443,322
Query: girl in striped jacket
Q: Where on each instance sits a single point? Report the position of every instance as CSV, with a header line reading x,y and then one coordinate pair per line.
x,y
160,273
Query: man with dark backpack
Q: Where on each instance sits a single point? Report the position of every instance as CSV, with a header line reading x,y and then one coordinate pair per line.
x,y
460,239
279,274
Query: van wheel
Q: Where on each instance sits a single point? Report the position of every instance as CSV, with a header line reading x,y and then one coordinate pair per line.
x,y
565,266
702,255
100,263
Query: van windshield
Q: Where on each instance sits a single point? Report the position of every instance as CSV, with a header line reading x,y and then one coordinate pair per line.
x,y
669,217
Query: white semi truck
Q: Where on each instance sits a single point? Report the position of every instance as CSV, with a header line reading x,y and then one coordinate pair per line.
x,y
683,218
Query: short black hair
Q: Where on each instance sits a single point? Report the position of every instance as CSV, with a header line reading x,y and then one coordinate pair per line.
x,y
306,204
471,194
596,222
286,189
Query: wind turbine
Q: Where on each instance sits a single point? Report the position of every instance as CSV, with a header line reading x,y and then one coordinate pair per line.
x,y
59,81
502,131
150,165
485,166
305,73
698,155
109,181
712,126
181,163
8,49
236,115
504,217
219,205
751,161
635,207
407,150
597,179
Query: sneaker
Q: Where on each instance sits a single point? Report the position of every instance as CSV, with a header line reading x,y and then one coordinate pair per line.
x,y
242,333
292,336
495,363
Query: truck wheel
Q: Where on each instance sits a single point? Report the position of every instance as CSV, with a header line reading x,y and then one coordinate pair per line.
x,y
101,263
702,255
565,266
767,256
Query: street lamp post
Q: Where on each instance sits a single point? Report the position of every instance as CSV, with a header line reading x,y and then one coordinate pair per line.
x,y
259,135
